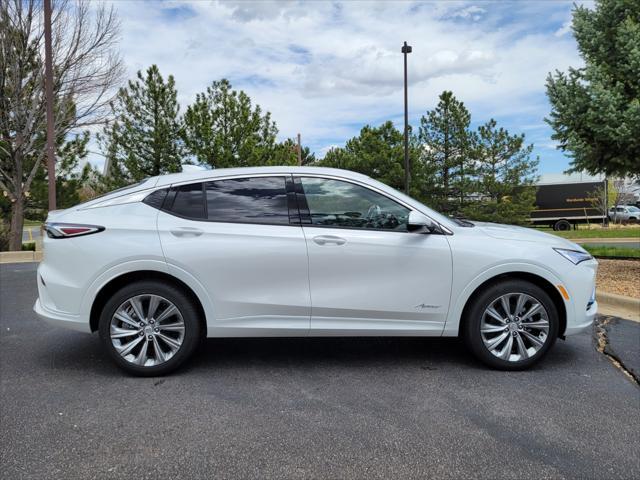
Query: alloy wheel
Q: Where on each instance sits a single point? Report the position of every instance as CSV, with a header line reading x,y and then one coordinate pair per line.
x,y
514,327
147,330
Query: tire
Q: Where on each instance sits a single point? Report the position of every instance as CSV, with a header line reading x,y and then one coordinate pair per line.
x,y
169,342
476,317
562,225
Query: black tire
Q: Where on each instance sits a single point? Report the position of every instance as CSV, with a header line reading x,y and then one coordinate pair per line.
x,y
190,315
562,225
470,329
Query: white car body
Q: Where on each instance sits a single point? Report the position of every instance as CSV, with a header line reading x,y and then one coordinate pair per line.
x,y
301,280
624,213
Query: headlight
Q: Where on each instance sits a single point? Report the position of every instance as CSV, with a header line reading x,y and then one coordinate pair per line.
x,y
574,256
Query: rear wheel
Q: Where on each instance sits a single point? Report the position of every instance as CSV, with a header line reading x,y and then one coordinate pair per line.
x,y
149,328
511,325
562,225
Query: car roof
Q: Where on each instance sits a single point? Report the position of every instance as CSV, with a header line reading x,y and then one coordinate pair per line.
x,y
228,172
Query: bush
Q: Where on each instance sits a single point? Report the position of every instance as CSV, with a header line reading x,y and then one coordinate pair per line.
x,y
29,246
4,235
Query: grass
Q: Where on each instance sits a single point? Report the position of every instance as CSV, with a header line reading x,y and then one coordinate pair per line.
x,y
629,232
32,223
598,251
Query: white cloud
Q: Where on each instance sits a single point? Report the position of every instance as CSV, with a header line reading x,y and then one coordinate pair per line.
x,y
327,68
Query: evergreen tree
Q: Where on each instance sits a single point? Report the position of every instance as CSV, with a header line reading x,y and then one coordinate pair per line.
x,y
223,129
144,138
377,152
445,139
69,177
596,109
504,174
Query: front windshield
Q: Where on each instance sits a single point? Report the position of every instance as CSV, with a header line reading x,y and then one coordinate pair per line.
x,y
634,209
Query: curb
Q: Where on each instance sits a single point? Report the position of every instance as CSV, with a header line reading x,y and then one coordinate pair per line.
x,y
619,301
605,240
20,257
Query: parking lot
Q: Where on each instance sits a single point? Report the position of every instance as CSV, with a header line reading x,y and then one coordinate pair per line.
x,y
309,408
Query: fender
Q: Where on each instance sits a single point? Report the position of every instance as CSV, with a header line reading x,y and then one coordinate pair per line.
x,y
454,316
153,265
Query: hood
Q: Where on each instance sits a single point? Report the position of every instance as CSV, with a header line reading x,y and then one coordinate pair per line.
x,y
512,232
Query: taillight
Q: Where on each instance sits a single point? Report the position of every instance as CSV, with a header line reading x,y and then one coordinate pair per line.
x,y
67,230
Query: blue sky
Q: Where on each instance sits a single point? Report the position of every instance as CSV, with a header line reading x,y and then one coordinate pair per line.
x,y
326,68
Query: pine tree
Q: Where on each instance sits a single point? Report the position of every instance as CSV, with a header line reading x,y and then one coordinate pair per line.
x,y
377,152
445,139
596,109
223,129
144,138
504,173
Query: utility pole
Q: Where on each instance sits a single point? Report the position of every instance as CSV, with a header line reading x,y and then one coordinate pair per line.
x,y
406,49
299,151
48,87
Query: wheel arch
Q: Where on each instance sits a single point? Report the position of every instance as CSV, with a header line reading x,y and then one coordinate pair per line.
x,y
121,280
533,278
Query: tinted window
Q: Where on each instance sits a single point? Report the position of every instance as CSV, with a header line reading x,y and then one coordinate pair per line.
x,y
248,200
156,199
344,204
189,201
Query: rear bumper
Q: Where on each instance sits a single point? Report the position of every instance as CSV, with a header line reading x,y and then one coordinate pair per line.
x,y
58,319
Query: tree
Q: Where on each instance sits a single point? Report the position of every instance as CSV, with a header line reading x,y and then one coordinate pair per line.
x,y
85,68
445,140
69,177
377,152
596,109
223,129
504,176
143,140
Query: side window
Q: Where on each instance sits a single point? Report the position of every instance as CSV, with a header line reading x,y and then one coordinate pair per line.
x,y
248,200
189,201
343,204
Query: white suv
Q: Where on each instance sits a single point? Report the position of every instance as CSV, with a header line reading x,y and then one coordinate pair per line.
x,y
624,213
302,251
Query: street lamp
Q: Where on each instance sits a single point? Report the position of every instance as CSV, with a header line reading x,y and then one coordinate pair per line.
x,y
406,49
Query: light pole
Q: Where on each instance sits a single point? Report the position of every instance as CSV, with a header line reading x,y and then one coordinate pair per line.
x,y
406,49
48,90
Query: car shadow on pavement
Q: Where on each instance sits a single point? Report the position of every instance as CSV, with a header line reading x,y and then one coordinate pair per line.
x,y
84,353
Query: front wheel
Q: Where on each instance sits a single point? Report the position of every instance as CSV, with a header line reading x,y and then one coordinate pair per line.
x,y
149,328
511,325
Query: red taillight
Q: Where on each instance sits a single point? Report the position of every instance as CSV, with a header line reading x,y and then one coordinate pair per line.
x,y
66,230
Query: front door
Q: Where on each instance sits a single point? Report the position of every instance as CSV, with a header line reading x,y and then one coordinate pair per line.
x,y
368,275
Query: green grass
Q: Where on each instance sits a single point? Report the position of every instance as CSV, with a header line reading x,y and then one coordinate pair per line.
x,y
598,251
633,232
32,223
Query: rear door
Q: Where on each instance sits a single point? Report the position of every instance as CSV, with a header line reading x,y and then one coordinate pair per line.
x,y
369,275
235,237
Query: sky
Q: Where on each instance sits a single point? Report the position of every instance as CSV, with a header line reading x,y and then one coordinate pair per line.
x,y
327,68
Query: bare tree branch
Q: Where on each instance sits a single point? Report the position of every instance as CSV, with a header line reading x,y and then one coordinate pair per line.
x,y
86,70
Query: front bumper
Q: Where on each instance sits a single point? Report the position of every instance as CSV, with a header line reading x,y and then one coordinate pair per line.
x,y
60,319
585,323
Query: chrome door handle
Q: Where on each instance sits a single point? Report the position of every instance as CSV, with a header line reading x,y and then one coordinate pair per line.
x,y
329,239
186,232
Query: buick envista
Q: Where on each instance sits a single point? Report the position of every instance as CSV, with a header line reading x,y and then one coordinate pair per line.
x,y
298,252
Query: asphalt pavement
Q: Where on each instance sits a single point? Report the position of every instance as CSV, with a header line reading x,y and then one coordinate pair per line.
x,y
307,408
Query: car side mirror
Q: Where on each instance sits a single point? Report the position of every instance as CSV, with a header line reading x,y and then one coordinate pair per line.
x,y
419,223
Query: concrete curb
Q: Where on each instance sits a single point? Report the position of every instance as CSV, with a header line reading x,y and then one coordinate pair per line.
x,y
20,257
618,301
605,240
